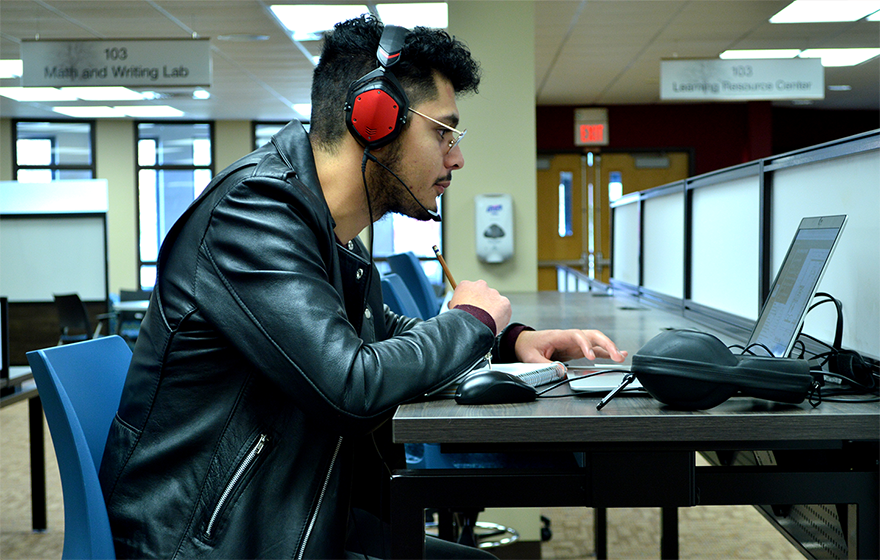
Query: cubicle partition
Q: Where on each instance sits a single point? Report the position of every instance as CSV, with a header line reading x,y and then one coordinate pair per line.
x,y
711,245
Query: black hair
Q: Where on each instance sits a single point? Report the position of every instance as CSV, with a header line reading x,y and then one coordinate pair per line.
x,y
349,52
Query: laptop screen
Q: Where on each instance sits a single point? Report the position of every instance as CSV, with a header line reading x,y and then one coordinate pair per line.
x,y
795,285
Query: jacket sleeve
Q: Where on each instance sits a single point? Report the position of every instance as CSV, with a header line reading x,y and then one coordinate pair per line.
x,y
266,279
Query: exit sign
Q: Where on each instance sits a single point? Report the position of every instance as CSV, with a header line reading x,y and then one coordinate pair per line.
x,y
591,127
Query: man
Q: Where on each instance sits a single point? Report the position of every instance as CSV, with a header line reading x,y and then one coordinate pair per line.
x,y
267,361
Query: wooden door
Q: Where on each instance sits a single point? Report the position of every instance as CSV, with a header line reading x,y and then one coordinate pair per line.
x,y
581,242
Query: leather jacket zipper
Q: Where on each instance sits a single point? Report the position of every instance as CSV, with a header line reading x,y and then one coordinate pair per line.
x,y
242,468
314,517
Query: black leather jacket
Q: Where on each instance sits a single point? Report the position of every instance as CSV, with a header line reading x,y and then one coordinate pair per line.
x,y
258,368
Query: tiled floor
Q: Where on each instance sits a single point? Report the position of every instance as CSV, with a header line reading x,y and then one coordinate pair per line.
x,y
704,532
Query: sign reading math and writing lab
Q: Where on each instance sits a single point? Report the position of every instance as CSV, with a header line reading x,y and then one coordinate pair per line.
x,y
741,80
109,62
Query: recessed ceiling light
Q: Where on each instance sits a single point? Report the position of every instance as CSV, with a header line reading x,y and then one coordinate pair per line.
x,y
108,93
428,14
10,68
759,53
34,94
201,94
814,11
307,22
96,112
151,111
840,88
242,38
104,112
841,57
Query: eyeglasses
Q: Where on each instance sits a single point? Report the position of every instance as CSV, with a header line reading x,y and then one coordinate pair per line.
x,y
457,135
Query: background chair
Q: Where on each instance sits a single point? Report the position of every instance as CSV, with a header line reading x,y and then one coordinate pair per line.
x,y
406,265
129,322
398,297
73,319
80,386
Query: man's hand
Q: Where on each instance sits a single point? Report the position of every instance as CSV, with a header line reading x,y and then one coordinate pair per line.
x,y
565,345
479,294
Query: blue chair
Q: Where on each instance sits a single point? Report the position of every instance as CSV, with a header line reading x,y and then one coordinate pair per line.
x,y
80,385
398,297
406,265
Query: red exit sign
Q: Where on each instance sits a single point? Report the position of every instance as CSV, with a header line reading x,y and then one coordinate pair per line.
x,y
591,127
591,134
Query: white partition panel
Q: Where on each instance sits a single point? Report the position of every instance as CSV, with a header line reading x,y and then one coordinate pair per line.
x,y
625,251
845,185
725,246
663,260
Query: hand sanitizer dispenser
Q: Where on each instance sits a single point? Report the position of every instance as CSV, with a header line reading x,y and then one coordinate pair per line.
x,y
494,227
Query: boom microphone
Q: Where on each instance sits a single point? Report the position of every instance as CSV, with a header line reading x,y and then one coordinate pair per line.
x,y
434,215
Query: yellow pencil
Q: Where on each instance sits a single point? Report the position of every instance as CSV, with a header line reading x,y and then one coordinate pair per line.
x,y
445,268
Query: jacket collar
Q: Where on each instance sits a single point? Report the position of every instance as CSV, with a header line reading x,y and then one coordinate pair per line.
x,y
295,150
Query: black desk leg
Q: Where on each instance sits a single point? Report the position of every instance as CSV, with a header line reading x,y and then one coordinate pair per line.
x,y
669,532
38,464
407,519
600,532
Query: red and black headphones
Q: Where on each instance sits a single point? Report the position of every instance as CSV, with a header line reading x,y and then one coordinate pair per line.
x,y
376,105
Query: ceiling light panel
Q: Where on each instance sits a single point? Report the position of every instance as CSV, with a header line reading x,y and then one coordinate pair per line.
x,y
11,68
841,57
428,14
814,11
108,93
36,94
306,22
752,54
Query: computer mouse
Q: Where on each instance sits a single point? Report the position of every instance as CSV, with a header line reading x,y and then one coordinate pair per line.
x,y
488,386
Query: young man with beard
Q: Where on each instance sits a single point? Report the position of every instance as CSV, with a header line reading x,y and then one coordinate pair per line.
x,y
250,423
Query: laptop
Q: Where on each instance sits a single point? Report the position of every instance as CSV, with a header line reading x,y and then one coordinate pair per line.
x,y
784,310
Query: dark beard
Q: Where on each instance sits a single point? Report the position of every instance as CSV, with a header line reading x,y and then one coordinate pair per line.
x,y
387,194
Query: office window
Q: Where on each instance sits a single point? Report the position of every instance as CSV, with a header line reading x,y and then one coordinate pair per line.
x,y
53,151
398,234
263,131
564,225
174,165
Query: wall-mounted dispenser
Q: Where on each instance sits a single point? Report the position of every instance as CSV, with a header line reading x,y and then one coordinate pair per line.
x,y
494,227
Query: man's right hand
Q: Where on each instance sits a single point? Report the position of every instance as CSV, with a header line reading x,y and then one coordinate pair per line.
x,y
479,294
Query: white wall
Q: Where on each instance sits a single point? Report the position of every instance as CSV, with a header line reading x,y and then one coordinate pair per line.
x,y
499,149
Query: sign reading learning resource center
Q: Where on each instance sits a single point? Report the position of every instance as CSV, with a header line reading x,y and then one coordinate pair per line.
x,y
132,63
741,80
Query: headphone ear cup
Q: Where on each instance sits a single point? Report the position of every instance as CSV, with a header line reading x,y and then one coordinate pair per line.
x,y
687,370
376,109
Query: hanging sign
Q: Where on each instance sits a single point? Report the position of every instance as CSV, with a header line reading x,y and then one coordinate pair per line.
x,y
110,62
591,127
742,80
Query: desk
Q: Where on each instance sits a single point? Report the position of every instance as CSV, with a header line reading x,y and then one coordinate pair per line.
x,y
636,452
18,387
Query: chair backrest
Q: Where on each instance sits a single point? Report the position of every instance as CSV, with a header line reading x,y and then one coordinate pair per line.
x,y
406,265
80,386
73,318
397,296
